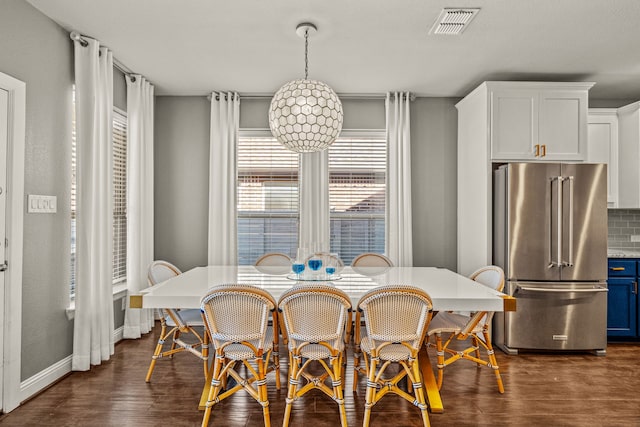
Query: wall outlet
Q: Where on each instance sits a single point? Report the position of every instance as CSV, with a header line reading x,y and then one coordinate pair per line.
x,y
635,238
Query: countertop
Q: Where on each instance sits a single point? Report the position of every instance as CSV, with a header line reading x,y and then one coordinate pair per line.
x,y
623,253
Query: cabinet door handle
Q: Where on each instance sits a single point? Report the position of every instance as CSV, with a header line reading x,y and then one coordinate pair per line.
x,y
544,150
635,288
617,268
537,150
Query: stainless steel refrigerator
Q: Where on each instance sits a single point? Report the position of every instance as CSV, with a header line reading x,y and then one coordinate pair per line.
x,y
550,237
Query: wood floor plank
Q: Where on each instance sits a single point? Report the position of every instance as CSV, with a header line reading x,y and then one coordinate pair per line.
x,y
573,389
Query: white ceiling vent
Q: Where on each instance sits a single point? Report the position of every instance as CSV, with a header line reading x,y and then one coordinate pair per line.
x,y
453,21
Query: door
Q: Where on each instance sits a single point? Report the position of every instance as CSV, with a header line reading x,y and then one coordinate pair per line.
x,y
563,125
622,306
584,225
4,128
603,147
557,316
531,225
514,124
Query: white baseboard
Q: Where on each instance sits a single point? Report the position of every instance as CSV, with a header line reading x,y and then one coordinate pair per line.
x,y
53,373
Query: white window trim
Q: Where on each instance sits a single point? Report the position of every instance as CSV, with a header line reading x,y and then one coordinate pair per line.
x,y
119,292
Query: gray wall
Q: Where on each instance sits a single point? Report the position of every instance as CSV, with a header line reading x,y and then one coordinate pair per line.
x,y
181,169
181,183
434,136
37,51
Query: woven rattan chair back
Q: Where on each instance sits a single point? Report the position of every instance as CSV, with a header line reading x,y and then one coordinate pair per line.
x,y
315,316
158,272
237,320
371,259
396,318
237,313
457,327
176,325
274,259
396,313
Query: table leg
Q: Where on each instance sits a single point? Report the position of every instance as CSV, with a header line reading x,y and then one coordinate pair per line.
x,y
430,385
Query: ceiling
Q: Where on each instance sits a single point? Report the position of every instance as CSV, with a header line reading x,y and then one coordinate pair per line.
x,y
192,47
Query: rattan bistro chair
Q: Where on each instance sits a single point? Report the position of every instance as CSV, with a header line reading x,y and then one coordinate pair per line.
x,y
396,317
177,324
461,327
237,318
315,317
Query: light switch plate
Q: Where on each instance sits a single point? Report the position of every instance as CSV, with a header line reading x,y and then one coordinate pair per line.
x,y
41,204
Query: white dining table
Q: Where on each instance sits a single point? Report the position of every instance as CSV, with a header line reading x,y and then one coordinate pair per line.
x,y
447,289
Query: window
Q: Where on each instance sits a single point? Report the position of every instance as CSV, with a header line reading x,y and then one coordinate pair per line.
x,y
268,214
119,198
267,197
357,189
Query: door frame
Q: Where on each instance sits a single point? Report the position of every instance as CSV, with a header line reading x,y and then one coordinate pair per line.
x,y
11,346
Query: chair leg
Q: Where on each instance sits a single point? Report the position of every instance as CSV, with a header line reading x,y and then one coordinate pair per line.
x,y
262,391
371,390
176,336
474,341
356,365
493,363
156,352
418,387
214,390
440,359
292,388
337,387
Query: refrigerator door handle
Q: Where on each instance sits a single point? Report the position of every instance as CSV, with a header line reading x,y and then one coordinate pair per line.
x,y
569,262
563,290
558,214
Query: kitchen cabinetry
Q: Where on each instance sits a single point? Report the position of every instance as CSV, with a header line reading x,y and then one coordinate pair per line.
x,y
622,298
538,121
602,147
629,156
510,121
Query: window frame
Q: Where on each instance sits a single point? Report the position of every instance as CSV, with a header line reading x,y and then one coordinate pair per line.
x,y
377,134
119,283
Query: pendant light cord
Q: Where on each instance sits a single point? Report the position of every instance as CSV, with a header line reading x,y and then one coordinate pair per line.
x,y
306,54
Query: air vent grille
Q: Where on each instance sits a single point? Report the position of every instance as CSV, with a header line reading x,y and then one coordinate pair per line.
x,y
453,21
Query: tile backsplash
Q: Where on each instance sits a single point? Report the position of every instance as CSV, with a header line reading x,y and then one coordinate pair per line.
x,y
623,223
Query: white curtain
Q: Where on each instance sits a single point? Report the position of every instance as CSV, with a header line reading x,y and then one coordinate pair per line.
x,y
314,201
93,325
223,234
140,108
399,244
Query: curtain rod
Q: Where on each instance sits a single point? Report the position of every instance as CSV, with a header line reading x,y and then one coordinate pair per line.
x,y
75,36
412,97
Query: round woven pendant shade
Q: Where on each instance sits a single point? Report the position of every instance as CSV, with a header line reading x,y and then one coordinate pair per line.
x,y
305,115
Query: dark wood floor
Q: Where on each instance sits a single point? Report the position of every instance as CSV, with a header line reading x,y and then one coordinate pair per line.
x,y
541,390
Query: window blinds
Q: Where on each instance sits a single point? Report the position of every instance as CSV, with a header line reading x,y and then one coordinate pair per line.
x,y
267,194
119,197
357,183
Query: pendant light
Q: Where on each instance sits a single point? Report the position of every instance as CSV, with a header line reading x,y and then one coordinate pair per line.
x,y
305,115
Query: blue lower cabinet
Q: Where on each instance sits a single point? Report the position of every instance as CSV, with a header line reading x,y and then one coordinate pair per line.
x,y
622,298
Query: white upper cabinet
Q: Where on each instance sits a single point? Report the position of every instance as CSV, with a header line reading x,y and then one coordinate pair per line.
x,y
538,121
603,147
